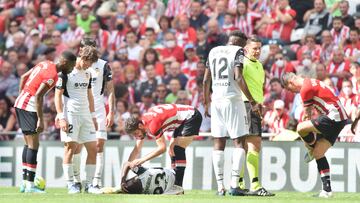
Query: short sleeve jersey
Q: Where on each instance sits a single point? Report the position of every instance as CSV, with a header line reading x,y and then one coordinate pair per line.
x,y
43,73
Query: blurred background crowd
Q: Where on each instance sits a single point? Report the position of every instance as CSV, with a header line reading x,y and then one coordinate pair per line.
x,y
157,50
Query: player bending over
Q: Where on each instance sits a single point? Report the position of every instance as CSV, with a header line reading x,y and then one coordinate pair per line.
x,y
34,84
321,133
149,181
184,120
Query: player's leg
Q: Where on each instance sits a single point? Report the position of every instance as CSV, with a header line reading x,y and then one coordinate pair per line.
x,y
320,148
25,148
101,136
77,164
31,159
68,167
238,157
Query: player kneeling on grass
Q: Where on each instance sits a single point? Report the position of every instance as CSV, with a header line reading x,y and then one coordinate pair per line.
x,y
321,133
75,107
149,181
184,120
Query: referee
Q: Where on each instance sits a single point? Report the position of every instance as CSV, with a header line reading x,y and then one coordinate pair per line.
x,y
254,76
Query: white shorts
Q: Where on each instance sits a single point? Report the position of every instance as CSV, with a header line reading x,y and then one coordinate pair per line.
x,y
228,118
81,129
101,121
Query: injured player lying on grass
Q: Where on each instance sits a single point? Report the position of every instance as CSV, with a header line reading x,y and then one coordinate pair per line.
x,y
147,181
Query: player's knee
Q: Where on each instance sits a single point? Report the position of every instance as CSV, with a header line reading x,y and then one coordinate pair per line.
x,y
301,130
318,153
100,145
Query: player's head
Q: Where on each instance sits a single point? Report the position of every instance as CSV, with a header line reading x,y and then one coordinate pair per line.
x,y
237,38
253,47
87,56
66,62
132,186
135,127
87,41
289,82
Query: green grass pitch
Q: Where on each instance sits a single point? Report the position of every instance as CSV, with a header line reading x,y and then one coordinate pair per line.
x,y
53,195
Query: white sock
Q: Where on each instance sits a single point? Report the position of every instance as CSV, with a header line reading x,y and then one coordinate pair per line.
x,y
90,171
69,173
238,158
77,163
99,168
29,184
218,163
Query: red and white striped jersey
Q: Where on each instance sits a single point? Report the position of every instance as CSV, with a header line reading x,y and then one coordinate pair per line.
x,y
246,23
317,93
335,68
166,117
189,68
175,7
103,38
72,35
44,72
339,37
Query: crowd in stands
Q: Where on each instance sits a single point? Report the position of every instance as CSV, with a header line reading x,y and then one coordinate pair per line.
x,y
157,50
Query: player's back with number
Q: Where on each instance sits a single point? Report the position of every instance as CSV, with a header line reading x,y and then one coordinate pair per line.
x,y
44,72
157,180
222,60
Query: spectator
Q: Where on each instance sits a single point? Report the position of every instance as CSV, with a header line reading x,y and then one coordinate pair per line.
x,y
19,46
117,39
274,48
277,92
73,34
311,47
346,18
13,90
197,17
214,37
47,31
184,33
150,40
306,67
135,24
188,67
277,119
164,23
352,49
175,73
339,32
355,78
192,82
151,57
182,98
228,23
172,52
12,57
339,68
146,101
317,19
50,131
245,18
152,80
132,83
148,21
7,120
327,47
157,8
117,73
84,18
121,115
220,12
197,97
176,7
201,45
7,78
122,57
133,48
57,42
160,94
321,73
101,36
347,97
45,12
174,86
281,66
12,29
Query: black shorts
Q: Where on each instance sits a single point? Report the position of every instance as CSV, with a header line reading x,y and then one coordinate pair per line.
x,y
27,121
254,119
190,126
328,128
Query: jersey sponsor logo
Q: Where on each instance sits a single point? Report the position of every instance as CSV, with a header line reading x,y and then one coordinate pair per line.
x,y
81,85
222,84
59,83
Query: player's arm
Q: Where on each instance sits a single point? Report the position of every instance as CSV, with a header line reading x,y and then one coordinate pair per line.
x,y
206,89
111,96
161,148
124,172
59,91
136,150
92,105
354,124
39,101
23,79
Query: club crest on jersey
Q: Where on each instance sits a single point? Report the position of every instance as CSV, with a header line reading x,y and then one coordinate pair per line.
x,y
50,82
87,75
59,82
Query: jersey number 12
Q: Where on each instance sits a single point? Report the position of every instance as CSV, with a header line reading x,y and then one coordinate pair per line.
x,y
222,64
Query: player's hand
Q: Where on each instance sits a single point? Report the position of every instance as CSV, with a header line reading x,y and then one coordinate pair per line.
x,y
206,107
109,120
171,149
95,123
40,126
135,163
64,126
353,125
257,108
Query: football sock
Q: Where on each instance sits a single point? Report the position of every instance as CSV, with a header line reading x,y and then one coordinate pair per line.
x,y
69,173
99,168
31,156
241,178
324,170
180,164
252,160
90,171
218,164
24,165
237,162
310,139
76,167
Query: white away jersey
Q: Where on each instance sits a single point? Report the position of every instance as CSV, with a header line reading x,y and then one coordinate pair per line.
x,y
222,61
100,73
75,85
155,180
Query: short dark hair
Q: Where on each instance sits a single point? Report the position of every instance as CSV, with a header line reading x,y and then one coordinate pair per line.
x,y
286,77
89,53
150,29
69,56
238,34
338,18
85,6
87,41
275,80
132,124
253,38
133,186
